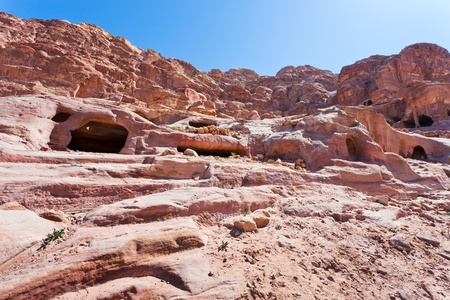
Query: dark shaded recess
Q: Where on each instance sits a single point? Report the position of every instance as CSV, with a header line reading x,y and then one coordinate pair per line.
x,y
425,121
447,172
448,112
61,117
167,275
419,153
215,152
98,137
409,123
368,103
198,124
352,151
396,119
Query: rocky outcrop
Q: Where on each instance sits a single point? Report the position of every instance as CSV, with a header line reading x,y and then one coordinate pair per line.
x,y
412,86
125,175
293,90
88,62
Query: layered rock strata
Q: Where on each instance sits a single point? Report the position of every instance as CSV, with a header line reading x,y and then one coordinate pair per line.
x,y
125,175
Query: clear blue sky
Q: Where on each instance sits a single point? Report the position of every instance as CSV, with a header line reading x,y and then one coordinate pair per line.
x,y
263,35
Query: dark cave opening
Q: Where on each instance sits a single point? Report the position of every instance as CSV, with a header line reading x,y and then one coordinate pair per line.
x,y
201,123
215,152
352,151
61,117
98,137
419,153
425,121
368,102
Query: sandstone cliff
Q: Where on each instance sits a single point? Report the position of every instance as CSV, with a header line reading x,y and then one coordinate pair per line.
x,y
86,61
126,175
412,87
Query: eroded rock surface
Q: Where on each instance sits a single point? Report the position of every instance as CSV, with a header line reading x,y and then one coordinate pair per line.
x,y
87,61
125,175
411,88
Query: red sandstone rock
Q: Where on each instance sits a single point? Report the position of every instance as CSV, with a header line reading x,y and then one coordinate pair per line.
x,y
411,86
99,153
90,62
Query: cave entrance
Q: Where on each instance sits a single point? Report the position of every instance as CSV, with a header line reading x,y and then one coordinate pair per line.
x,y
351,148
425,121
419,153
215,152
98,137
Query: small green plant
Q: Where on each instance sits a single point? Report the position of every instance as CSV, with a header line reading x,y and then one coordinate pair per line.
x,y
223,246
51,237
175,127
245,212
272,205
278,227
393,230
448,213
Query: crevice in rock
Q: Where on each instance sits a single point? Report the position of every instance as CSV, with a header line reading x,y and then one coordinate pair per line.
x,y
61,117
99,137
207,152
201,123
162,273
419,153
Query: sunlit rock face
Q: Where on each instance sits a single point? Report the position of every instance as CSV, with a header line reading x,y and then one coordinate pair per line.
x,y
87,61
412,87
125,175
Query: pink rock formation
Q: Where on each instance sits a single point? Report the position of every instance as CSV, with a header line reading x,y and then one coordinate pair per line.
x,y
90,62
412,86
92,136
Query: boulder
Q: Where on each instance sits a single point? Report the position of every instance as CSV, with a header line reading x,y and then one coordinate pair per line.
x,y
261,217
245,224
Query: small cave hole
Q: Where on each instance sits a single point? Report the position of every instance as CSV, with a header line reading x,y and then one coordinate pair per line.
x,y
368,102
425,121
419,153
98,137
448,112
61,117
352,151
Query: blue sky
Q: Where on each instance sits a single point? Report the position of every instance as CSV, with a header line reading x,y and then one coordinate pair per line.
x,y
262,35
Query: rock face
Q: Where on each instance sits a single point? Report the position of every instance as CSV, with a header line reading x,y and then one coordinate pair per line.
x,y
412,86
125,175
88,62
294,90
